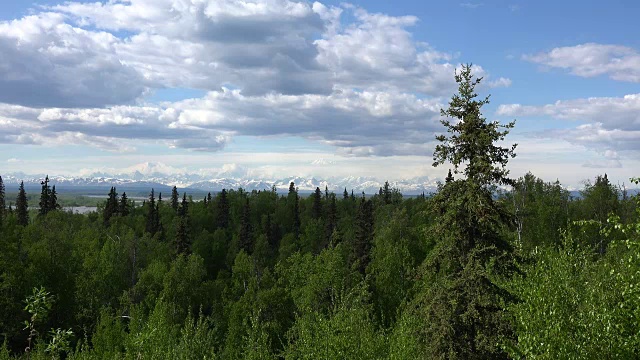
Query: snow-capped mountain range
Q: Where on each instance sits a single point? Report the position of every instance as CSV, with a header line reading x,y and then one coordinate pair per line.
x,y
157,175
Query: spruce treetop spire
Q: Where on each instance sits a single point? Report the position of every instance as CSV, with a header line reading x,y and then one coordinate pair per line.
x,y
471,139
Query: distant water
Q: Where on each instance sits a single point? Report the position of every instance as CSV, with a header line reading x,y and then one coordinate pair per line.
x,y
80,209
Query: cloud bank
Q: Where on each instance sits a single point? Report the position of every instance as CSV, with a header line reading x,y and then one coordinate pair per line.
x,y
80,73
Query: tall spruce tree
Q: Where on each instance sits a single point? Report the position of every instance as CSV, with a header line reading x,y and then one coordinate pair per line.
x,y
111,207
3,203
175,199
332,219
245,237
364,235
44,197
293,201
22,207
345,194
461,296
316,208
182,239
53,199
449,177
152,214
386,193
123,207
223,210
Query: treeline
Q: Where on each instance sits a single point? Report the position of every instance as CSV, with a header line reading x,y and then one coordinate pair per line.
x,y
459,274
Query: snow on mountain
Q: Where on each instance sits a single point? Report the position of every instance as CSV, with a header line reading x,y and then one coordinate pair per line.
x,y
229,176
205,183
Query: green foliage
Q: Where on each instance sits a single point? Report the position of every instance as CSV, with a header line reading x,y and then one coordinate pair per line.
x,y
38,305
392,266
576,306
345,332
59,343
541,210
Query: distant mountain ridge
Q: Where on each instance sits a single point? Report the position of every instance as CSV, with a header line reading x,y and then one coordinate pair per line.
x,y
369,185
144,176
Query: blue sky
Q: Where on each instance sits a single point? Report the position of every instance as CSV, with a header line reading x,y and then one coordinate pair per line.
x,y
279,88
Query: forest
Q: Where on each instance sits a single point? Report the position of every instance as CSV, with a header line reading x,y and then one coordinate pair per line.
x,y
487,267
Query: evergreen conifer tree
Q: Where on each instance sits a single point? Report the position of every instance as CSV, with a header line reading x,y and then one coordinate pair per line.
x,y
294,200
245,238
152,216
124,208
386,193
345,194
3,204
316,209
184,206
183,240
53,199
223,210
364,235
111,207
44,197
22,207
461,297
332,218
449,177
174,199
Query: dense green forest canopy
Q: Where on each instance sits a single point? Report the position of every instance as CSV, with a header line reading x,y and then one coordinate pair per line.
x,y
459,274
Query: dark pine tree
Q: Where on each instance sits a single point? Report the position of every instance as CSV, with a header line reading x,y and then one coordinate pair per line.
x,y
174,199
326,192
293,201
159,227
184,206
363,236
316,209
345,194
449,177
183,240
44,197
22,207
272,231
223,210
53,199
3,203
111,207
332,219
124,208
209,198
245,237
461,298
386,193
152,215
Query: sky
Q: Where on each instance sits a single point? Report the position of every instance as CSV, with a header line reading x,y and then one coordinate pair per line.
x,y
277,88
